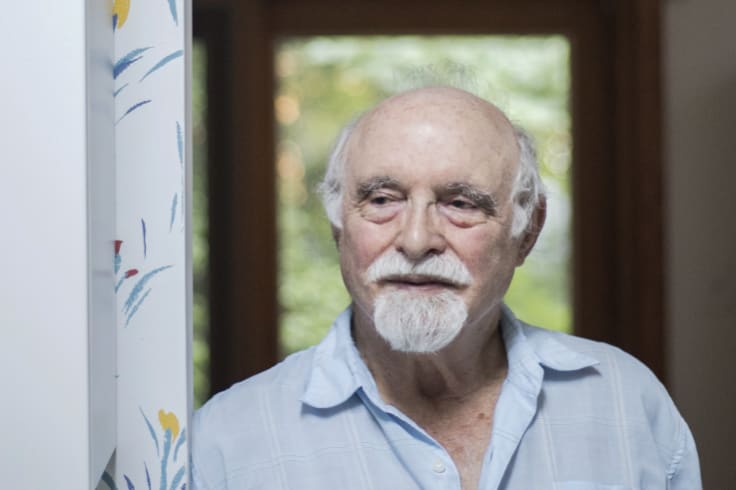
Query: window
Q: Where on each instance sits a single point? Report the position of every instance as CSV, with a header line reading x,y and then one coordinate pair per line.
x,y
322,82
616,182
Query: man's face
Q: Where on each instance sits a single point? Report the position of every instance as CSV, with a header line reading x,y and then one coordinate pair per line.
x,y
430,174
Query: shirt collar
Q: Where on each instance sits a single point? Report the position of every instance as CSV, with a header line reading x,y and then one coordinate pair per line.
x,y
338,370
539,345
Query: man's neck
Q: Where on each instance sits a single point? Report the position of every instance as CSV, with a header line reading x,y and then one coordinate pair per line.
x,y
451,394
473,362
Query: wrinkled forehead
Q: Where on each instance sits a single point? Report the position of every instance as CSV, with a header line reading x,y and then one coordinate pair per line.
x,y
441,123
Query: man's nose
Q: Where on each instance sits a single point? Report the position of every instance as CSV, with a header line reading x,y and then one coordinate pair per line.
x,y
420,234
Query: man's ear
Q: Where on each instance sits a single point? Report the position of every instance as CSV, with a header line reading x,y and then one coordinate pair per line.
x,y
530,235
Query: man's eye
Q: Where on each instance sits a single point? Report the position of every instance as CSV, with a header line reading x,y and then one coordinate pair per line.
x,y
462,204
379,200
380,207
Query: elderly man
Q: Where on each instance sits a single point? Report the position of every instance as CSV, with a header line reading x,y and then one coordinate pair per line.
x,y
428,381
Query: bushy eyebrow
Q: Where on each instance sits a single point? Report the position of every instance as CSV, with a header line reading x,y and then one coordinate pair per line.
x,y
368,187
485,201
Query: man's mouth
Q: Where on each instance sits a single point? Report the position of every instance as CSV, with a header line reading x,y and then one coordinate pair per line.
x,y
416,281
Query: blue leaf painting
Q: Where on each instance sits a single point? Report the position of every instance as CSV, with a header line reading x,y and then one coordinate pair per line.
x,y
115,94
132,108
148,475
109,481
172,8
164,61
137,305
174,202
180,442
129,483
153,436
177,478
145,243
114,21
138,288
128,274
180,143
165,459
123,63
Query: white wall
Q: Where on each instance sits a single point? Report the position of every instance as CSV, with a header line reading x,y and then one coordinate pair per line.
x,y
94,257
700,128
56,296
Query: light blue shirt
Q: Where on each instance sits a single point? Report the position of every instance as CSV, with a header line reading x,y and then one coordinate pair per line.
x,y
573,414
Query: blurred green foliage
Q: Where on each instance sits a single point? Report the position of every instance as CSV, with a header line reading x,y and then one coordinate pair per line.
x,y
200,248
323,82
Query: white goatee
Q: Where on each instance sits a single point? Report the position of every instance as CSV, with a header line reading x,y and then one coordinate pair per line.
x,y
415,321
412,322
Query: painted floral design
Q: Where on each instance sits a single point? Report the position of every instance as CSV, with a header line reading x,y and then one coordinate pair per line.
x,y
140,290
120,9
172,467
147,71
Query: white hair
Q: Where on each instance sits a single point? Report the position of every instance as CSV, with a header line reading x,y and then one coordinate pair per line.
x,y
331,187
417,323
527,192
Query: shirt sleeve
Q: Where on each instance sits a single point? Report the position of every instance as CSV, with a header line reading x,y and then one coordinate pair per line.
x,y
684,472
207,470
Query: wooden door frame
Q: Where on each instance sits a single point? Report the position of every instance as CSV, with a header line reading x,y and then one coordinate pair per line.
x,y
617,173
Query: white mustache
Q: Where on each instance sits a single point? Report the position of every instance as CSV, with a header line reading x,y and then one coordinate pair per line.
x,y
444,268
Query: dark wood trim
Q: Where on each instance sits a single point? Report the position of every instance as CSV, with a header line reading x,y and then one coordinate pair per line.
x,y
212,25
241,205
617,181
208,6
594,247
312,17
639,183
253,261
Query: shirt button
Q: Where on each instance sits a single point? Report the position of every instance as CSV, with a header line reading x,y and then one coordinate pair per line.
x,y
438,467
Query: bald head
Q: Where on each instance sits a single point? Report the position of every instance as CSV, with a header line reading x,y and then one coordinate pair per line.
x,y
436,115
444,122
452,105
